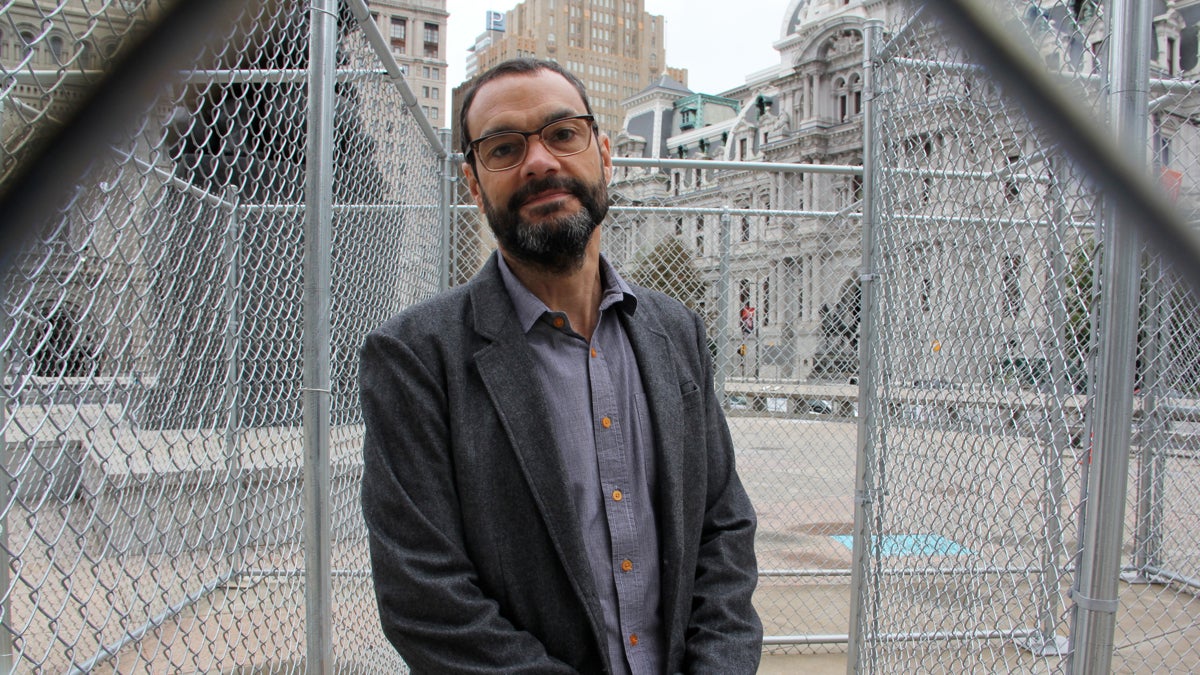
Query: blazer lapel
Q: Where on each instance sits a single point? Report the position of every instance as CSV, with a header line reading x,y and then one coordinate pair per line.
x,y
507,369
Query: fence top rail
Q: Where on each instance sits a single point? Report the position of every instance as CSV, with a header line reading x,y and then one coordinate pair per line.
x,y
651,162
709,211
206,75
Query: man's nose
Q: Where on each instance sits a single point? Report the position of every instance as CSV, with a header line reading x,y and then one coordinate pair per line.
x,y
538,158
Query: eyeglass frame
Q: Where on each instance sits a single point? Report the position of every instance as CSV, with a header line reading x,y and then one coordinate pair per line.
x,y
470,153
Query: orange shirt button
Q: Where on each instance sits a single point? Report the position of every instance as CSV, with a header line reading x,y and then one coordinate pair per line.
x,y
617,496
606,422
626,565
593,352
633,639
558,322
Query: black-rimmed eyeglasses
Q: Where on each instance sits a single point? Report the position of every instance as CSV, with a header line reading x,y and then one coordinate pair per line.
x,y
505,149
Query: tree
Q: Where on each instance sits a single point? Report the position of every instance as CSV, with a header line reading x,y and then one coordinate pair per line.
x,y
670,269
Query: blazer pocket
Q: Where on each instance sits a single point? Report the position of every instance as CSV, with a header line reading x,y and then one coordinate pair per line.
x,y
688,388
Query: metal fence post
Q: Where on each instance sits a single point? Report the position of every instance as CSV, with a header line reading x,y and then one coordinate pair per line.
x,y
724,335
316,392
1095,591
1147,536
864,478
1148,532
445,199
6,631
233,386
1055,436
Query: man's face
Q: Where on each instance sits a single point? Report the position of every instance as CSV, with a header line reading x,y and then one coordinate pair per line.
x,y
544,211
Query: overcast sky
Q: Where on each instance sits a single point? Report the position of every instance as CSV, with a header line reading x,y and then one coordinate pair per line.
x,y
719,45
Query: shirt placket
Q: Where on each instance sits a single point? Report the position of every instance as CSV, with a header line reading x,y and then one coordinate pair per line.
x,y
620,496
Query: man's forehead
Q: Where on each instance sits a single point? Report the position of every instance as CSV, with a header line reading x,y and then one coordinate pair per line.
x,y
520,100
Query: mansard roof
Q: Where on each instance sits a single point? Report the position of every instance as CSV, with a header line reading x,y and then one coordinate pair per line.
x,y
665,81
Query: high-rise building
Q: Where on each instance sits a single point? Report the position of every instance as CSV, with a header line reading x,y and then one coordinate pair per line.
x,y
416,32
614,46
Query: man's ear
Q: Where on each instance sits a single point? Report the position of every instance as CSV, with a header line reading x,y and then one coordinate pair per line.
x,y
605,156
472,183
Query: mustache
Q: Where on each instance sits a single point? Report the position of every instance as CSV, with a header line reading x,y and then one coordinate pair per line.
x,y
573,185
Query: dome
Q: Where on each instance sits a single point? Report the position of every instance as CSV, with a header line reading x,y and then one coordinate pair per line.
x,y
801,13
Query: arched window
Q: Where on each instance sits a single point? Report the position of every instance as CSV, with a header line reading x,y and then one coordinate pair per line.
x,y
841,100
28,45
57,49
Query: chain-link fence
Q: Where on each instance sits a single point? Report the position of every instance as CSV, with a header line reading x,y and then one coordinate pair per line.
x,y
156,336
181,472
989,380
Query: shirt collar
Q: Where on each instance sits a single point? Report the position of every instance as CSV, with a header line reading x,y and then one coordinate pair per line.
x,y
530,308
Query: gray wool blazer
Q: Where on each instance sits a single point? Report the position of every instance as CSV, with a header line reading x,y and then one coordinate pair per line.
x,y
478,562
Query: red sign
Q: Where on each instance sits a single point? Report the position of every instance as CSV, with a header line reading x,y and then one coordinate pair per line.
x,y
1172,181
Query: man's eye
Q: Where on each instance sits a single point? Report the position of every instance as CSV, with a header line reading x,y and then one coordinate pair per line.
x,y
563,135
503,149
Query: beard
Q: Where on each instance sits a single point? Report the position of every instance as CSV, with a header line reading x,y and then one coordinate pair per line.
x,y
555,244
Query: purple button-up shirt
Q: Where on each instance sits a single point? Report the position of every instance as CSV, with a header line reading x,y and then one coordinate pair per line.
x,y
602,427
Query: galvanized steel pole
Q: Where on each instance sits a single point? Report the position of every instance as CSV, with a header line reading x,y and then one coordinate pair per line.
x,y
864,474
7,630
1095,591
318,238
445,218
724,335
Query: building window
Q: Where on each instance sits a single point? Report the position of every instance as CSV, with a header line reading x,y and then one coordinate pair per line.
x,y
926,293
1010,280
766,302
742,148
28,45
56,48
1011,190
399,35
431,40
745,228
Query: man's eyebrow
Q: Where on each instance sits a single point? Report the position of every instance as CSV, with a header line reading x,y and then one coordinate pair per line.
x,y
559,114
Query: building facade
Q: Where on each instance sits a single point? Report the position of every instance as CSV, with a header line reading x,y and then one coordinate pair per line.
x,y
793,290
614,46
416,32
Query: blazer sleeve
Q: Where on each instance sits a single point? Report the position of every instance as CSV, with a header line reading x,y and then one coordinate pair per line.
x,y
431,606
724,633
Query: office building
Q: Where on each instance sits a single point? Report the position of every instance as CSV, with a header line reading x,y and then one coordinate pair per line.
x,y
614,46
416,32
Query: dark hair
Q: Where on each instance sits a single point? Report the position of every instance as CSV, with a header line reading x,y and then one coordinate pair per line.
x,y
521,66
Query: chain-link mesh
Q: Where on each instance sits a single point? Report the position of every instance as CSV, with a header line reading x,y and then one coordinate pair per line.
x,y
152,351
987,315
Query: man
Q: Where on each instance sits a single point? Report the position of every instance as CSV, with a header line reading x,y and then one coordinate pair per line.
x,y
549,481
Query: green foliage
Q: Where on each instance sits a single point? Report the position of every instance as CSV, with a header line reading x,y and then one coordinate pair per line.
x,y
1080,300
669,268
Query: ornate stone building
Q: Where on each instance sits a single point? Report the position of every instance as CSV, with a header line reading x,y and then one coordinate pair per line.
x,y
792,282
797,272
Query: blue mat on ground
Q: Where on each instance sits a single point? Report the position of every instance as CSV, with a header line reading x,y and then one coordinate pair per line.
x,y
911,544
